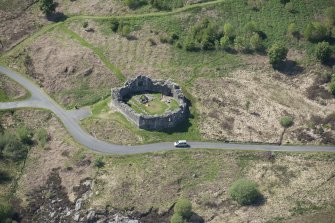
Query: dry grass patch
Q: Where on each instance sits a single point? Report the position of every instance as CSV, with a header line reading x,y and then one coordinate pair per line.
x,y
248,105
10,90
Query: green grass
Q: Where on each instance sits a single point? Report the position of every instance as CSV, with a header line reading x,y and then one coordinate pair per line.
x,y
3,96
154,107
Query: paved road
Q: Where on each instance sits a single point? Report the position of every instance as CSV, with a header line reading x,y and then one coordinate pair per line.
x,y
70,119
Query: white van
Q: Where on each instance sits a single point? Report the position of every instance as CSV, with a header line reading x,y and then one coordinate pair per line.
x,y
181,143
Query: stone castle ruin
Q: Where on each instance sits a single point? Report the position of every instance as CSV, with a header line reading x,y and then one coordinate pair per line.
x,y
140,85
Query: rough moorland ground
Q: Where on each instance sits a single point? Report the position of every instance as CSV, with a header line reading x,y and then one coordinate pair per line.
x,y
60,154
292,184
18,20
70,73
10,90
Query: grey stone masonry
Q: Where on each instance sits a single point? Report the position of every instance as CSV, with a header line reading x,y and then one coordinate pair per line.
x,y
143,84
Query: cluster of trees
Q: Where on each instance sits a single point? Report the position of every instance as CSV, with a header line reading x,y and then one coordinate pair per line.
x,y
159,4
204,35
182,211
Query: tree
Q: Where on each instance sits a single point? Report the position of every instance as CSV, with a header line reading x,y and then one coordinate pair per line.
x,y
293,29
183,208
250,28
286,121
25,135
330,13
256,42
289,7
245,192
228,30
224,42
315,32
323,51
176,218
47,6
277,54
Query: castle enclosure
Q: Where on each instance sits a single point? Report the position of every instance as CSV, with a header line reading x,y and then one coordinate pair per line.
x,y
141,85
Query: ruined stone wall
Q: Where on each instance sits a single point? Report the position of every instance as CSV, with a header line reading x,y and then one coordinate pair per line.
x,y
142,84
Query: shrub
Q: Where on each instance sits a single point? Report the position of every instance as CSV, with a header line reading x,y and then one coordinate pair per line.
x,y
224,42
25,135
293,30
250,28
284,1
133,4
85,24
289,7
166,4
47,6
176,218
256,42
277,54
330,13
323,51
15,149
99,162
42,137
114,24
245,192
286,121
242,44
6,212
332,87
183,208
315,32
125,30
228,30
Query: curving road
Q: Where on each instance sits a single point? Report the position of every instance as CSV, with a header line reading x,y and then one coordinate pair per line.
x,y
70,119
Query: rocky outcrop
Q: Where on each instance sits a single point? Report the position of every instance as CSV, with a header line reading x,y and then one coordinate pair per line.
x,y
143,84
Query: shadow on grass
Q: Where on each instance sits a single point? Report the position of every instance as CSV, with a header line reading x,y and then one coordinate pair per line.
x,y
4,177
290,68
195,218
57,17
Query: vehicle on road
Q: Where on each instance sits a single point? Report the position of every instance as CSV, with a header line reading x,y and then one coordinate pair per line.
x,y
181,143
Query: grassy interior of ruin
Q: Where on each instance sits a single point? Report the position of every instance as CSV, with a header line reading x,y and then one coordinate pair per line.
x,y
120,130
157,104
